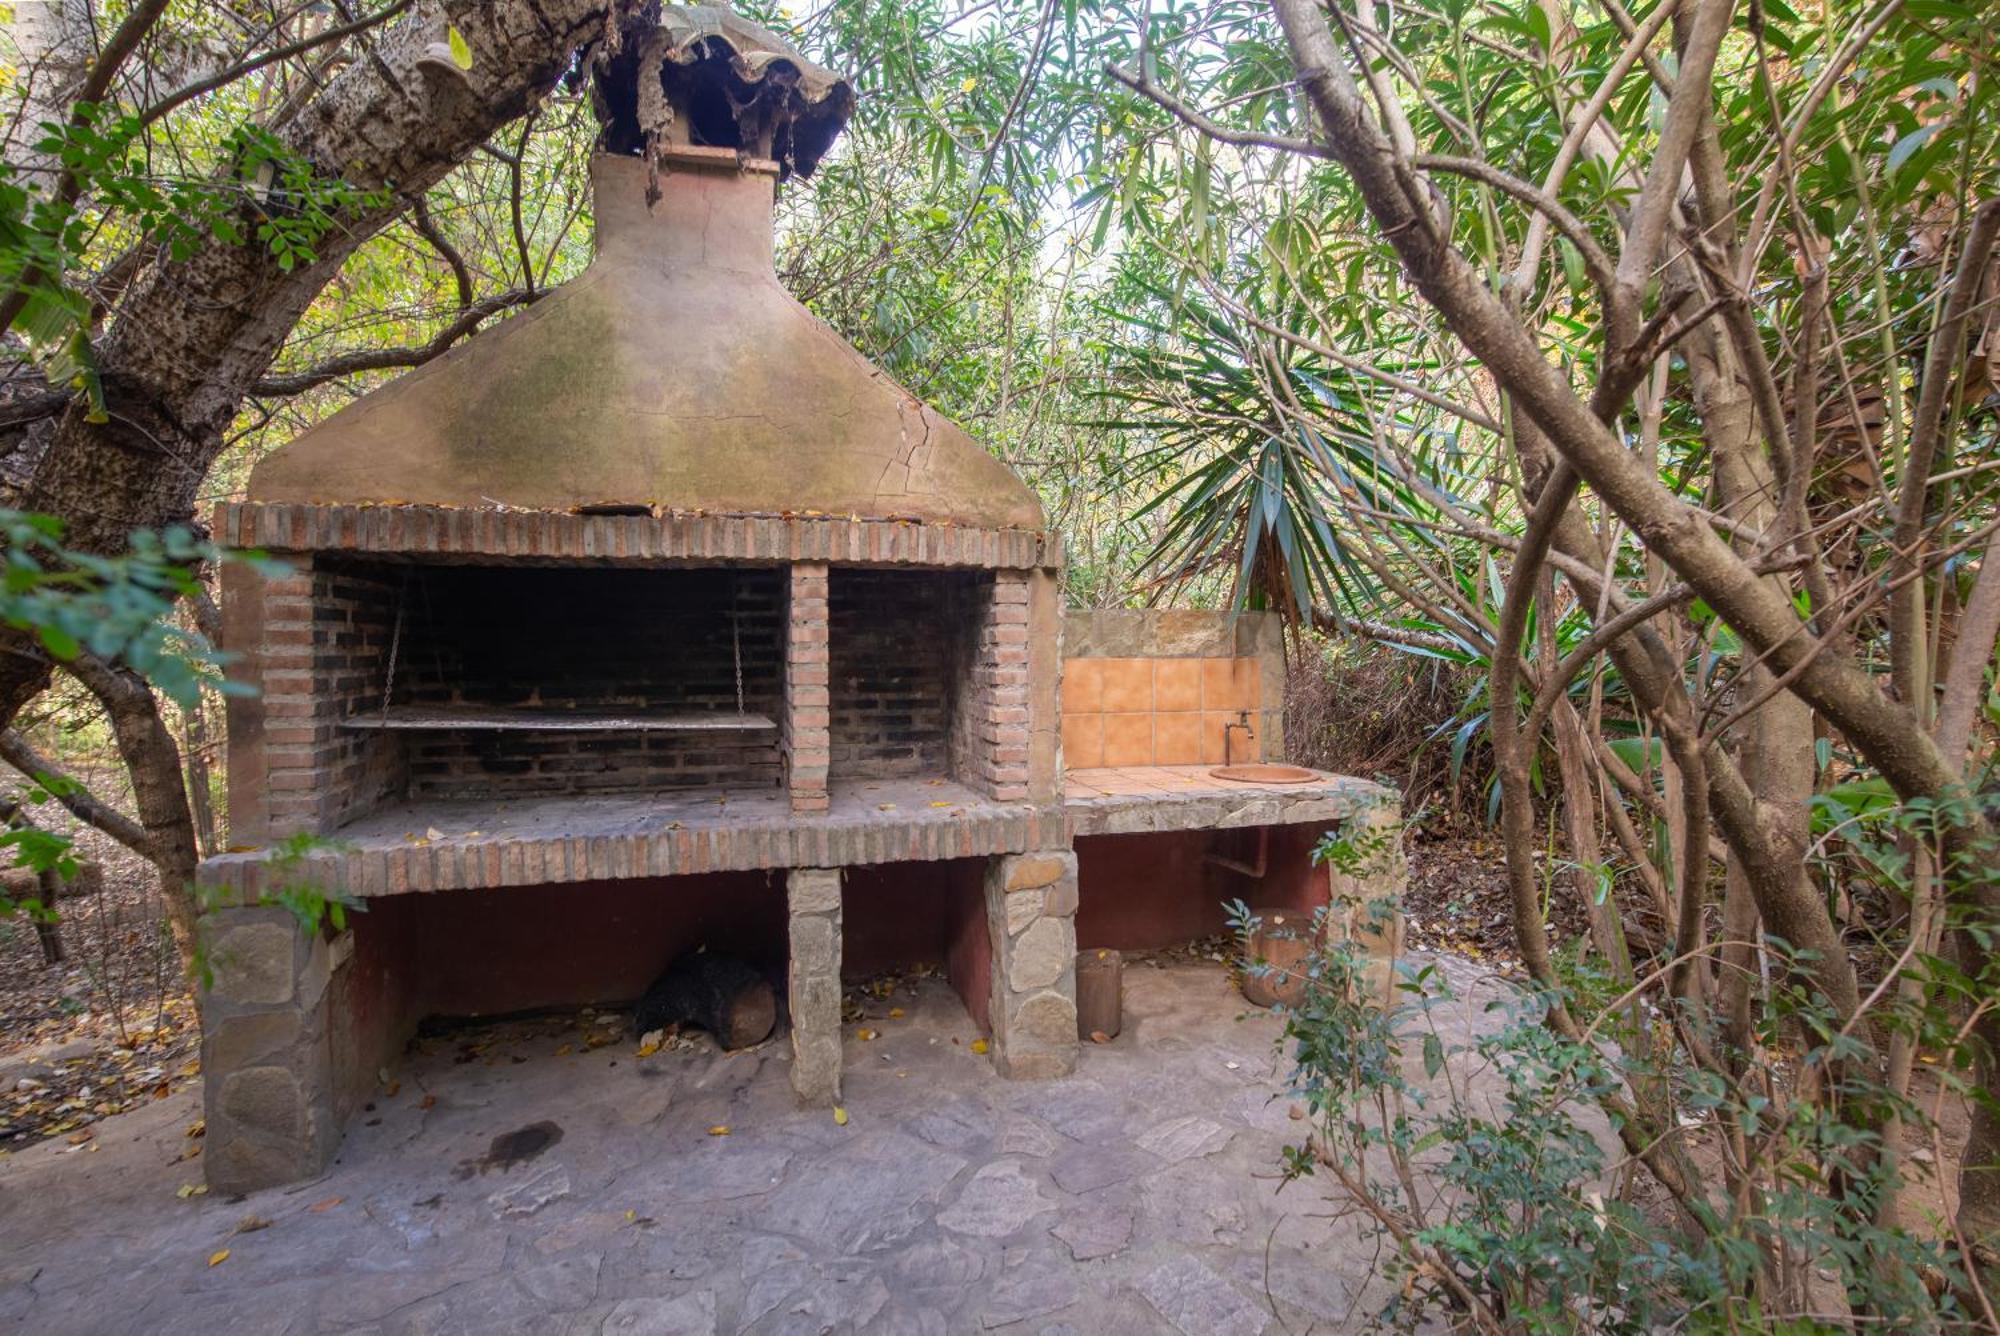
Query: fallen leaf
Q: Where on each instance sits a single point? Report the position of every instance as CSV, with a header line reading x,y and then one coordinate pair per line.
x,y
865,1035
895,1013
1099,1037
630,1216
719,1130
186,1190
428,1102
433,833
322,1207
218,1257
839,1116
979,1046
250,1224
563,1052
390,1091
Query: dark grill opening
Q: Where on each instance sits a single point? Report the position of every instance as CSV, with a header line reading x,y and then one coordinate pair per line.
x,y
900,650
504,681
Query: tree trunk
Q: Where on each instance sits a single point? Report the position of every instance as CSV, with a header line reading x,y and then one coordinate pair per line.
x,y
192,336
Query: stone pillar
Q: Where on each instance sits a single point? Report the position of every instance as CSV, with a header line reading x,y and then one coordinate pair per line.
x,y
808,703
1365,896
814,980
266,1060
1031,916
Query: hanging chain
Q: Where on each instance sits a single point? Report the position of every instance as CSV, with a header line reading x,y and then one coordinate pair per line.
x,y
736,642
395,643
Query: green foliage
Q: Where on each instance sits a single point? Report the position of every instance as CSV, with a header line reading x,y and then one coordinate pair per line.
x,y
109,187
1530,1225
316,909
114,608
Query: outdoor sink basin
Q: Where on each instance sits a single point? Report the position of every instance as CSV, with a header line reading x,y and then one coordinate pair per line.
x,y
1264,774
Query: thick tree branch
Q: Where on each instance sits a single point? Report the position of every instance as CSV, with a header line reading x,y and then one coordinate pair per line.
x,y
391,359
18,752
1941,366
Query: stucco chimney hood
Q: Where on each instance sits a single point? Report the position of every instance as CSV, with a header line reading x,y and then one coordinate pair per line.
x,y
675,373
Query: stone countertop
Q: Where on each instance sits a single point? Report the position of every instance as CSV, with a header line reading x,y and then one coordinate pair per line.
x,y
454,845
446,845
1136,799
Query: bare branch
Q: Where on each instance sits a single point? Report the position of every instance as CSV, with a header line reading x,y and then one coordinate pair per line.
x,y
18,752
391,359
1906,609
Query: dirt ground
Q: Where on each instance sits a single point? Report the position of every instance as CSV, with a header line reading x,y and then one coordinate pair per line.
x,y
112,1027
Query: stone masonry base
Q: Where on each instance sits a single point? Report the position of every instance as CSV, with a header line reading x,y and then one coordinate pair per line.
x,y
813,897
1031,922
272,1092
267,1063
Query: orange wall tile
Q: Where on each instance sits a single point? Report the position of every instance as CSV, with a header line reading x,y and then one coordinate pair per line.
x,y
1176,684
1128,686
1177,738
1230,684
1128,739
1123,712
1083,686
1083,740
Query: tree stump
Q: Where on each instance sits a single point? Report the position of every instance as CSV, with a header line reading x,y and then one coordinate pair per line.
x,y
1274,962
1100,1003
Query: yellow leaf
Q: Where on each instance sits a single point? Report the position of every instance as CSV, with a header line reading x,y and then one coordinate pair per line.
x,y
218,1257
630,1216
719,1130
839,1116
865,1035
461,50
979,1046
649,1048
895,1013
968,85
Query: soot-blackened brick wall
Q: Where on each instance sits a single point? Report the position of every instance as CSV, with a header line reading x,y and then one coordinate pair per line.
x,y
351,630
654,640
897,645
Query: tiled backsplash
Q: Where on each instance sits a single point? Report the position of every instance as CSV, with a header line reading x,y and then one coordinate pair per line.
x,y
1158,711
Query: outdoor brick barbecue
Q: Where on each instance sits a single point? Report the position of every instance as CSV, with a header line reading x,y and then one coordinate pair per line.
x,y
657,618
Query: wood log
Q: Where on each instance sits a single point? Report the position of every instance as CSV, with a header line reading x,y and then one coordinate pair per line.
x,y
1100,1003
24,883
720,994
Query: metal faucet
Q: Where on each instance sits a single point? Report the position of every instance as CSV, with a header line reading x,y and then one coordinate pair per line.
x,y
1242,722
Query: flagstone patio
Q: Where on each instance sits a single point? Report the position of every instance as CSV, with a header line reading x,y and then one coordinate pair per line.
x,y
516,1179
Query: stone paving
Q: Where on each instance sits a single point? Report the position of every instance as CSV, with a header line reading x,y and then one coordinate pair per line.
x,y
516,1181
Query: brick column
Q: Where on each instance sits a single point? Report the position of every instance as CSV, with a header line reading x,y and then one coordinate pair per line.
x,y
993,726
807,701
813,895
1364,901
1031,916
266,1059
